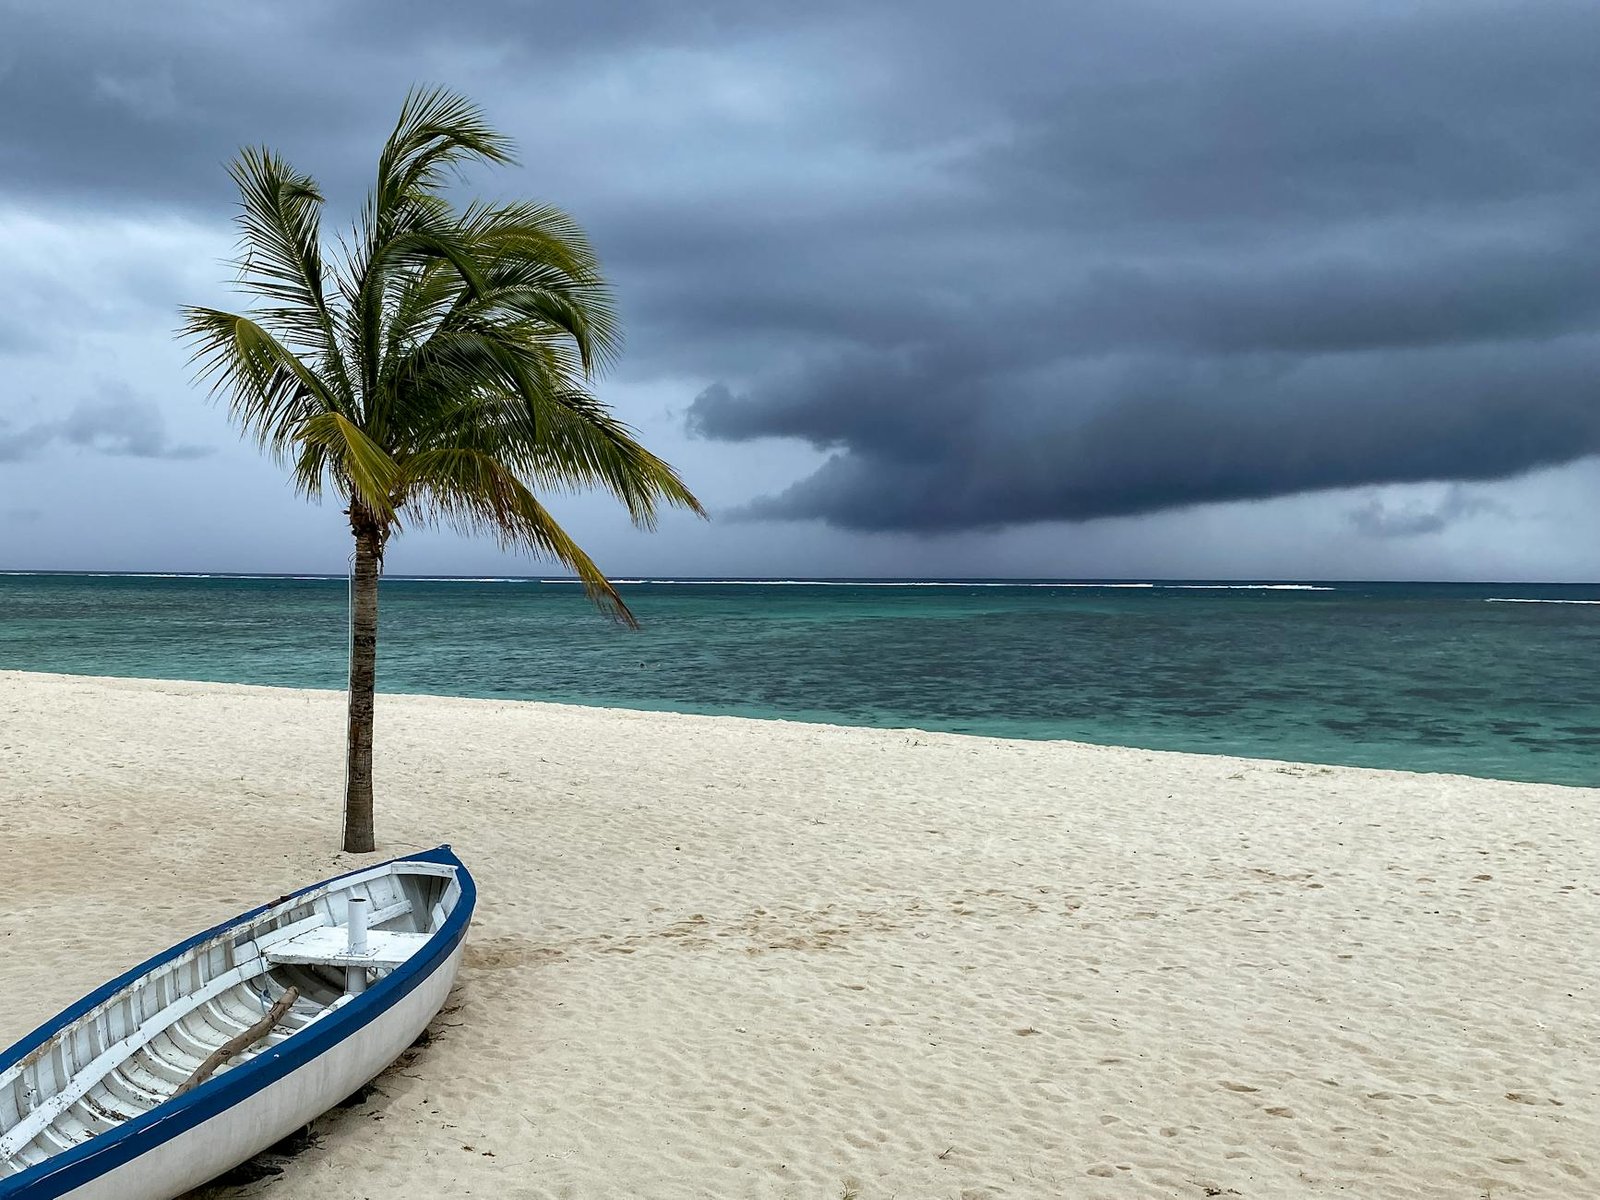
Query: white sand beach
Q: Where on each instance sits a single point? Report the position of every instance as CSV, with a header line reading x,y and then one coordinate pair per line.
x,y
728,958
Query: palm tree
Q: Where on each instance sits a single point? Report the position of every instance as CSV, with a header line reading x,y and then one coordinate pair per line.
x,y
437,370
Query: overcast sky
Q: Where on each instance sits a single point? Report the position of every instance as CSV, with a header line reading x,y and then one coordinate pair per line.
x,y
1110,288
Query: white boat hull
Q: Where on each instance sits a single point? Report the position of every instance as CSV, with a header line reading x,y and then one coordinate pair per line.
x,y
239,1133
223,1045
272,1114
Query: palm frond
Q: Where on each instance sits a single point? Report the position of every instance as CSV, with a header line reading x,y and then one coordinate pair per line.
x,y
280,253
271,391
541,265
581,445
407,226
513,398
352,457
438,130
474,493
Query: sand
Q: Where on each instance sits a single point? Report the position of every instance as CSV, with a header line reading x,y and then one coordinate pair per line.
x,y
727,958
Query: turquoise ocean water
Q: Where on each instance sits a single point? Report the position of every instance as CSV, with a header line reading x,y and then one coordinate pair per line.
x,y
1499,680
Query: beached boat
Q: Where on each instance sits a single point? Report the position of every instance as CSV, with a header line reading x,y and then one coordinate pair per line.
x,y
212,1051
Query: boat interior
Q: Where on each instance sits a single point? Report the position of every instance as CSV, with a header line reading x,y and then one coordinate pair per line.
x,y
216,1006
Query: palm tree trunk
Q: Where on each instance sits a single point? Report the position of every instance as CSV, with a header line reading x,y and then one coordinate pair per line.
x,y
358,835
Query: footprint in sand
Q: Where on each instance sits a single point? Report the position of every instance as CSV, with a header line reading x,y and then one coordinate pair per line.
x,y
1524,1098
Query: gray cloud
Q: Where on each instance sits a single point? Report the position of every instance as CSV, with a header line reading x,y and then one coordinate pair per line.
x,y
115,424
1004,265
1415,517
124,428
22,442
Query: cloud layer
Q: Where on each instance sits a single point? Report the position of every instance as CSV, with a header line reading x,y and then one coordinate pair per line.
x,y
1285,250
970,268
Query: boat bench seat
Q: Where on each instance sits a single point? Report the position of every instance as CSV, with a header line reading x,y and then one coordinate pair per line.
x,y
329,945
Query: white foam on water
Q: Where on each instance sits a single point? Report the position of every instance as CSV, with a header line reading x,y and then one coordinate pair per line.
x,y
1526,600
945,583
860,583
1247,587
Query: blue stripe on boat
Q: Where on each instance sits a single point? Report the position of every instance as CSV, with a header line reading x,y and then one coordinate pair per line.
x,y
61,1173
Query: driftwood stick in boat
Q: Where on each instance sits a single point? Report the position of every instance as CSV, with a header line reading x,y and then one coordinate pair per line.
x,y
241,1042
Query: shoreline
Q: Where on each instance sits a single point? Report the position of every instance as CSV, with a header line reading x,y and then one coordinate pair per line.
x,y
147,683
761,958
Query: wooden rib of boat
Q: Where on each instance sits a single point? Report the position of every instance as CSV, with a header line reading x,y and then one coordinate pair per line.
x,y
226,1043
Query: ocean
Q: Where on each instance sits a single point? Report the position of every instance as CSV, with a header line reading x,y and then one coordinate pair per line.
x,y
1495,680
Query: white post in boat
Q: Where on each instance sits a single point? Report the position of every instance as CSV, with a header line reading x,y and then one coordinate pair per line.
x,y
355,975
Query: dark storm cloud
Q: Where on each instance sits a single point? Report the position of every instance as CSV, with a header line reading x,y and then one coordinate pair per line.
x,y
1127,434
1291,254
113,423
1006,264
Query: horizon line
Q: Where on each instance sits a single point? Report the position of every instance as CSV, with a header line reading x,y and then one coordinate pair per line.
x,y
623,580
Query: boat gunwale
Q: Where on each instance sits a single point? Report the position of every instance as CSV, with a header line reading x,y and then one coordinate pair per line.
x,y
177,1115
